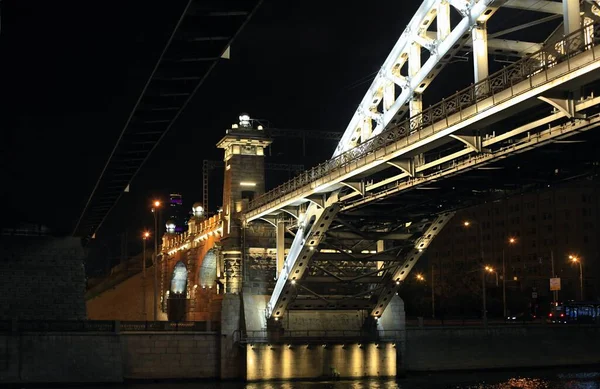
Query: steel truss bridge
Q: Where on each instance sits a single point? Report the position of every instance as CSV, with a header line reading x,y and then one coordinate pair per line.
x,y
364,217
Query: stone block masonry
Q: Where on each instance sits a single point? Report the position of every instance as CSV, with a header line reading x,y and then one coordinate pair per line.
x,y
42,278
95,357
170,355
60,357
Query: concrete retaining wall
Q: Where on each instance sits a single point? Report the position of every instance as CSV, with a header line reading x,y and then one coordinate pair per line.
x,y
445,348
42,278
170,355
61,357
100,357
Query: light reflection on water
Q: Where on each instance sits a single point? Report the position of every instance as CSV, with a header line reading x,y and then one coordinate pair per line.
x,y
554,379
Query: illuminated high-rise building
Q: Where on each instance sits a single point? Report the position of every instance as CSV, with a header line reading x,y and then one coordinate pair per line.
x,y
177,213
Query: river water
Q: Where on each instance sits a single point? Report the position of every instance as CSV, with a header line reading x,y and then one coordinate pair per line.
x,y
539,379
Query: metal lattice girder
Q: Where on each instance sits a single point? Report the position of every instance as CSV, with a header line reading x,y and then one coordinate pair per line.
x,y
524,143
380,104
311,232
506,92
202,34
396,278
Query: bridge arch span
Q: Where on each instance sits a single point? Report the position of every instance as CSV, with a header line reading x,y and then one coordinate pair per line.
x,y
207,274
179,279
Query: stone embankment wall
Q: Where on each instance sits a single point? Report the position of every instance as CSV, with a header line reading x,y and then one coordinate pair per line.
x,y
42,278
500,347
107,357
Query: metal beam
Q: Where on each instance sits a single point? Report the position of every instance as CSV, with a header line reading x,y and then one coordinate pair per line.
x,y
480,56
390,71
399,276
545,6
571,16
524,26
310,234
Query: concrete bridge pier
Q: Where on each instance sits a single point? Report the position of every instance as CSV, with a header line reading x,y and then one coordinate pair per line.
x,y
326,344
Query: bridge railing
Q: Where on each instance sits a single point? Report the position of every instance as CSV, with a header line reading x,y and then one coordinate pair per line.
x,y
107,326
319,336
478,322
540,62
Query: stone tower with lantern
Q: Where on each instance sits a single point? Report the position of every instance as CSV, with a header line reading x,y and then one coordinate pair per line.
x,y
244,180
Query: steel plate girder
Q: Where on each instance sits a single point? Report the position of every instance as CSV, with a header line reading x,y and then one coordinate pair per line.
x,y
389,75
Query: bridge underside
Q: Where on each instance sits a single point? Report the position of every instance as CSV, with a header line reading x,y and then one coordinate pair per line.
x,y
366,246
365,221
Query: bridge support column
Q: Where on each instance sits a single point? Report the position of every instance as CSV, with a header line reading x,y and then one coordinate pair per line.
x,y
380,248
231,361
280,246
232,259
571,16
480,56
415,104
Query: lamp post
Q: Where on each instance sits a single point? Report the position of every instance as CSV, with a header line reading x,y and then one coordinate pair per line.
x,y
576,259
432,295
145,237
421,279
491,270
155,209
484,307
511,241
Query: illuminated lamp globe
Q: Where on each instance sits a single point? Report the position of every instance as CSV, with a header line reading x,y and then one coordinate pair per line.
x,y
170,227
197,210
244,120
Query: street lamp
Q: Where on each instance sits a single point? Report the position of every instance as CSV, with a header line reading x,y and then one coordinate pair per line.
x,y
576,259
467,223
155,209
432,294
511,241
145,237
491,270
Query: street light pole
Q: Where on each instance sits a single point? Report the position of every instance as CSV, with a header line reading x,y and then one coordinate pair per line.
x,y
155,260
484,297
577,260
432,295
503,284
480,229
146,235
581,279
554,292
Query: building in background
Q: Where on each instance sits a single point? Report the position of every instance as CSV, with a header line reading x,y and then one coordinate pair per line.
x,y
544,227
177,213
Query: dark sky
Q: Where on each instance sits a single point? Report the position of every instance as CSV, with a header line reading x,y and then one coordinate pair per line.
x,y
70,72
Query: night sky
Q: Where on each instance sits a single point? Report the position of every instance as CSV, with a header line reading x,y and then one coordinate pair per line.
x,y
71,72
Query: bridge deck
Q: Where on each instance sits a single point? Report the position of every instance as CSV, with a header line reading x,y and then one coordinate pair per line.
x,y
489,99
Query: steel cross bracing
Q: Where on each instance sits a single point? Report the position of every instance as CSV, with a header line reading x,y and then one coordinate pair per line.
x,y
202,35
396,84
506,91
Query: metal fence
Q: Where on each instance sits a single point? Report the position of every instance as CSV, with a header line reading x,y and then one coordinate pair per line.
x,y
504,80
317,336
478,322
106,326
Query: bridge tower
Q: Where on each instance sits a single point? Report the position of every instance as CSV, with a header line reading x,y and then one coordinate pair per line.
x,y
244,180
